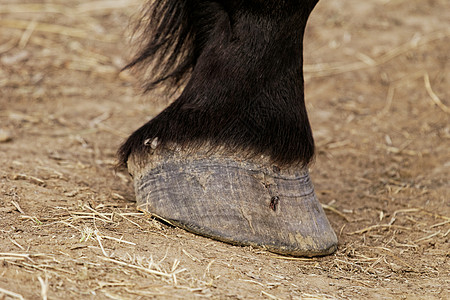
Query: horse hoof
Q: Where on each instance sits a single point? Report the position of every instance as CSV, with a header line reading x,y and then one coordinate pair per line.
x,y
242,202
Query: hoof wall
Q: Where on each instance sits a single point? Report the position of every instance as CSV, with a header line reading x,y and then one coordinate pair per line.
x,y
238,202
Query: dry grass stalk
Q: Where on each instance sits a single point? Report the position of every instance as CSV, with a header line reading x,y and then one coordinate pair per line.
x,y
389,98
102,284
82,8
132,222
45,268
44,287
80,216
115,296
404,245
190,255
328,69
330,208
435,215
11,258
99,240
27,34
149,214
29,178
440,224
433,96
19,255
357,266
146,270
146,293
45,27
32,8
252,281
106,5
208,267
98,213
117,240
17,206
370,228
293,258
8,45
17,244
390,253
391,91
269,295
58,29
316,297
427,237
406,210
11,294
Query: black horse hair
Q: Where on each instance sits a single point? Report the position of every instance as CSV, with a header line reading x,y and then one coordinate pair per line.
x,y
242,63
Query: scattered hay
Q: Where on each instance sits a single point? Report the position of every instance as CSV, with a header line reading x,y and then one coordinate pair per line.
x,y
11,294
329,69
433,96
93,249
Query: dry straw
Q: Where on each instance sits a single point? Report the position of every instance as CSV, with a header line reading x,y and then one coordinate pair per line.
x,y
371,253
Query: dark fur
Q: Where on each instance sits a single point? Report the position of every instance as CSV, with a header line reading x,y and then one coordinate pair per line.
x,y
243,61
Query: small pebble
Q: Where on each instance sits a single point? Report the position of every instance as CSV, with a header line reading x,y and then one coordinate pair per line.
x,y
5,136
71,194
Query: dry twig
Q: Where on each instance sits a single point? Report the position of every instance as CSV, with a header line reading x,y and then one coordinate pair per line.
x,y
11,294
433,96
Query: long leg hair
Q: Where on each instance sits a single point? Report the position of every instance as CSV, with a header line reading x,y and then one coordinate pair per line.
x,y
172,34
243,62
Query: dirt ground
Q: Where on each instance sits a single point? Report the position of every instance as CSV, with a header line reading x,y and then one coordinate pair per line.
x,y
377,91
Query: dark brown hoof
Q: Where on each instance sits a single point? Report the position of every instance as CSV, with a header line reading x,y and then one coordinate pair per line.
x,y
242,202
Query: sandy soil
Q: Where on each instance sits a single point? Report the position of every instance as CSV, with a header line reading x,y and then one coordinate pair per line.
x,y
377,88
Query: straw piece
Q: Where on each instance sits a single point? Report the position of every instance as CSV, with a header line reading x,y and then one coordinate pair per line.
x,y
99,240
57,29
8,45
294,258
12,294
376,227
327,69
98,213
389,98
306,296
23,255
117,240
427,237
252,281
45,27
17,206
132,222
44,287
269,295
147,270
189,255
32,8
406,210
440,224
29,178
11,258
27,34
330,208
106,5
17,244
433,96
